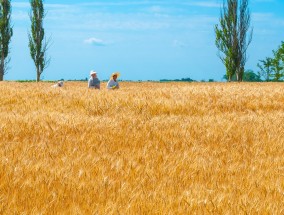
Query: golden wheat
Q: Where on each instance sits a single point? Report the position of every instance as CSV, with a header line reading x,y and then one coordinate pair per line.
x,y
149,148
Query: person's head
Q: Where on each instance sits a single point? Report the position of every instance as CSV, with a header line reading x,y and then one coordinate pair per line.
x,y
115,75
60,83
93,74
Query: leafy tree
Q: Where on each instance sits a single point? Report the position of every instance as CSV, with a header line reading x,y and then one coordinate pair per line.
x,y
278,63
272,69
234,36
266,68
277,74
250,76
6,33
37,42
281,52
233,78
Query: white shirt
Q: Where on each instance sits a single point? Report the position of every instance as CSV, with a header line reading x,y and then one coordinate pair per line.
x,y
111,84
57,85
94,83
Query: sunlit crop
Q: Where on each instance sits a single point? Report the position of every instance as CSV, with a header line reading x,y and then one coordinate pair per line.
x,y
148,148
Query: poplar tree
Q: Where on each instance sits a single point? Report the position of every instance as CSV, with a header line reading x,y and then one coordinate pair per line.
x,y
6,33
37,42
233,37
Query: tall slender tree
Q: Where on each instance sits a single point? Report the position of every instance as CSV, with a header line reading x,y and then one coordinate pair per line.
x,y
37,42
234,36
6,33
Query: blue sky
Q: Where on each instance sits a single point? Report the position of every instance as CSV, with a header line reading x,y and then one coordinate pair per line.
x,y
143,39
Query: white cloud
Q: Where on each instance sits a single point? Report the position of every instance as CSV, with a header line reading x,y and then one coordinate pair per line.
x,y
22,5
204,4
137,3
269,20
156,9
259,1
114,3
20,16
261,17
95,41
179,44
85,16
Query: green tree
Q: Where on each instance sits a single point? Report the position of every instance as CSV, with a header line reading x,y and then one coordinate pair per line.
x,y
277,63
6,33
251,76
233,37
266,68
248,76
37,42
281,51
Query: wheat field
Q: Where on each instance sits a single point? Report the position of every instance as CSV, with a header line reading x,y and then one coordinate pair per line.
x,y
148,148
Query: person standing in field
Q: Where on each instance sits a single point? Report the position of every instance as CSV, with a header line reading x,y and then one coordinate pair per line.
x,y
113,84
94,82
58,84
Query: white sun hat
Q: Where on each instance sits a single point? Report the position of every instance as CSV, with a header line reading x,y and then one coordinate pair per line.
x,y
93,72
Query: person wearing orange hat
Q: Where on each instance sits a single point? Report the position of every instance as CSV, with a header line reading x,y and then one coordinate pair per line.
x,y
113,84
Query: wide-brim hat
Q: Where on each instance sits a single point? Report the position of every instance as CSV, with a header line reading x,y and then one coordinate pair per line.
x,y
93,72
115,73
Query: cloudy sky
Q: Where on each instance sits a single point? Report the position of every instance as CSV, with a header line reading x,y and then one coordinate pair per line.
x,y
143,39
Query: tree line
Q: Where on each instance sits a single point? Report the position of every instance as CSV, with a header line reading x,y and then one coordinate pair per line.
x,y
233,37
37,41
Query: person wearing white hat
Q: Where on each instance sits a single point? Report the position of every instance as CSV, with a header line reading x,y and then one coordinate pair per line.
x,y
94,82
112,84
